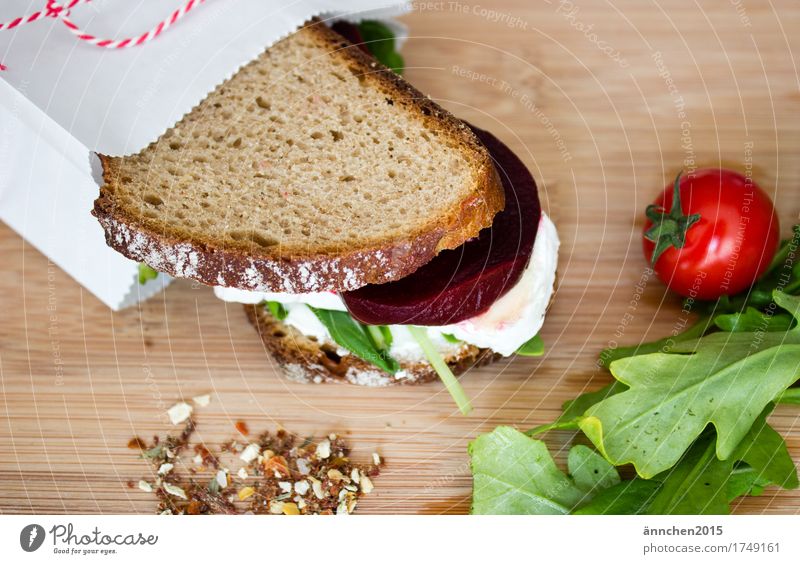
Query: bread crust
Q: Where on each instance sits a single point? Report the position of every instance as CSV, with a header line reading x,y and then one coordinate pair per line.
x,y
305,360
280,269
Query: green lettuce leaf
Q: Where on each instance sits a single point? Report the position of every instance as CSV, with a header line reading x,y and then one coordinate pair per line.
x,y
146,273
420,334
790,396
765,452
697,485
753,320
665,345
515,474
631,497
700,483
725,379
351,336
532,347
745,481
277,310
380,41
573,410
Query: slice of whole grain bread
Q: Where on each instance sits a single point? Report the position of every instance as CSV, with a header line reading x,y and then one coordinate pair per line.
x,y
313,168
305,360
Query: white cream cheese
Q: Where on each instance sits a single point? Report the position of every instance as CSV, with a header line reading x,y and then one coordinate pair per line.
x,y
510,322
319,300
519,314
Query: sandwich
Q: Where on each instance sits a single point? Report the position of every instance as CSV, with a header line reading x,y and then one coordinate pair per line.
x,y
373,237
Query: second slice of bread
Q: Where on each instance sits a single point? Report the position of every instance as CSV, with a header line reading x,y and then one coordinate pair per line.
x,y
313,168
304,359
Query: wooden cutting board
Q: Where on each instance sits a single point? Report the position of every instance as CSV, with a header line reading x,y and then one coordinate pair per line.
x,y
594,112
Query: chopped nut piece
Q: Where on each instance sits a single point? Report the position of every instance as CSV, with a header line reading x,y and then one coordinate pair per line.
x,y
303,466
179,412
222,479
290,509
277,466
174,490
202,401
376,459
250,453
290,477
246,492
366,484
316,486
324,449
335,476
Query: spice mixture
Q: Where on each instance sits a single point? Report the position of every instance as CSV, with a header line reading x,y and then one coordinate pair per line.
x,y
277,473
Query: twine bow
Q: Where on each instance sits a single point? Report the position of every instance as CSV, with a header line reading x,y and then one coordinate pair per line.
x,y
61,11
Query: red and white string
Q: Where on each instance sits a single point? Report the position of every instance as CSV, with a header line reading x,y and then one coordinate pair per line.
x,y
61,11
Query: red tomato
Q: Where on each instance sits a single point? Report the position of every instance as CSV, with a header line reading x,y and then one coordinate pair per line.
x,y
727,247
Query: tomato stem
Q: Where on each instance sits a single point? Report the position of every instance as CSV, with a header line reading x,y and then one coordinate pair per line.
x,y
669,228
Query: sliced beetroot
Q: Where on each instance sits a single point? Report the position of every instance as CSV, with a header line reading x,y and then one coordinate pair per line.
x,y
350,32
463,282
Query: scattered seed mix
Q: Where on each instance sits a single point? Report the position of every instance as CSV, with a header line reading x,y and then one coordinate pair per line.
x,y
276,474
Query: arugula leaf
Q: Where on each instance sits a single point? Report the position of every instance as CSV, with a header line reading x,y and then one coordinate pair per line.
x,y
514,474
765,452
753,320
702,484
388,338
350,335
517,474
146,273
590,471
379,39
700,327
631,497
532,347
449,380
743,480
381,336
790,396
672,397
697,485
277,310
573,410
451,338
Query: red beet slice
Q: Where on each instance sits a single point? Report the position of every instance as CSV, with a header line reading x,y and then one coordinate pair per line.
x,y
350,32
463,282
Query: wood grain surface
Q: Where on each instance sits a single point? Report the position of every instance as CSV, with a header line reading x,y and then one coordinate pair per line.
x,y
590,99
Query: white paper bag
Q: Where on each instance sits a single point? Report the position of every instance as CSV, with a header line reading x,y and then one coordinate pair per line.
x,y
62,99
